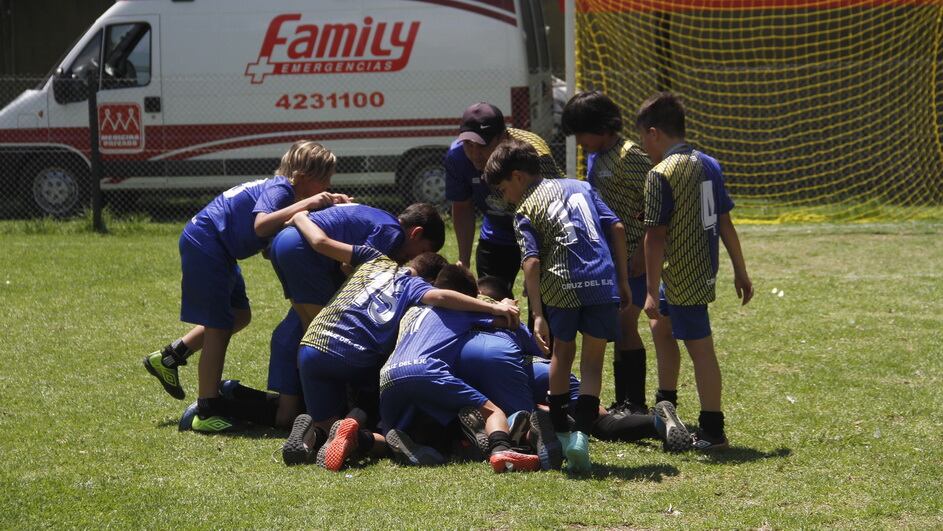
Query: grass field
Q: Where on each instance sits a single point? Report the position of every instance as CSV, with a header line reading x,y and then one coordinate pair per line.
x,y
833,396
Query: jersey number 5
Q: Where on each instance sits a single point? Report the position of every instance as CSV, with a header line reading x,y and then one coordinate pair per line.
x,y
708,205
378,296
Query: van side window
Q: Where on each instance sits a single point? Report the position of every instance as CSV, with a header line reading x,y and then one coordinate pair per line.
x,y
88,59
127,60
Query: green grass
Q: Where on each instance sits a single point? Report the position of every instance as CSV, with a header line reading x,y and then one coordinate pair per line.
x,y
833,395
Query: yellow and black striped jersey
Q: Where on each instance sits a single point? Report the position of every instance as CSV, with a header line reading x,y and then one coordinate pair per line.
x,y
619,175
565,223
685,191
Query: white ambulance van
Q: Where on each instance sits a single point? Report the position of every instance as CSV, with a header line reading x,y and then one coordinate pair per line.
x,y
205,94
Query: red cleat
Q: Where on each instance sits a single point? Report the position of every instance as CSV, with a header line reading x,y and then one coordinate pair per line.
x,y
341,443
510,461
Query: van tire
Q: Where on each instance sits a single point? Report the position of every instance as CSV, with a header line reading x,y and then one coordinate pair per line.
x,y
423,179
55,185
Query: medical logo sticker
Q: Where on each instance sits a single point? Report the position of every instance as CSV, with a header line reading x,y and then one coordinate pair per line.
x,y
119,128
294,47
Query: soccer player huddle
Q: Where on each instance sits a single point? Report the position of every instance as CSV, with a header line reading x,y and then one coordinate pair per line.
x,y
390,351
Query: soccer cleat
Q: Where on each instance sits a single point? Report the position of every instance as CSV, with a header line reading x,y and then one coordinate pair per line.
x,y
340,444
167,376
519,425
544,441
625,407
703,442
674,435
303,442
510,461
212,424
577,453
473,426
228,388
410,453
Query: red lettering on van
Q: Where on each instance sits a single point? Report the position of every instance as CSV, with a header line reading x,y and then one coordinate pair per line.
x,y
291,47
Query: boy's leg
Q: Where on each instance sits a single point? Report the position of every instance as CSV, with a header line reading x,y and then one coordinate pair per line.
x,y
706,372
629,359
559,398
668,357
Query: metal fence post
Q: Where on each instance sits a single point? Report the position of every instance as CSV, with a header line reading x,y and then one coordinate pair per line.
x,y
96,164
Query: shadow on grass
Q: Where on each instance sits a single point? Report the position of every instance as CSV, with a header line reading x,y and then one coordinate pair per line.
x,y
741,454
654,473
251,432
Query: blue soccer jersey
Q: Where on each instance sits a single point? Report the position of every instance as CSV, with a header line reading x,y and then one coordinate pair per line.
x,y
360,323
686,192
563,223
463,182
360,225
230,217
429,332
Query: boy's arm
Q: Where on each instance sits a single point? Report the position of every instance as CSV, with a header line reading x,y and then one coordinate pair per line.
x,y
268,223
741,280
463,218
654,260
620,257
453,300
532,284
319,241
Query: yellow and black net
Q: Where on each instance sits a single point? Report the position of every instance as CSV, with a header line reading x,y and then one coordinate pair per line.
x,y
817,110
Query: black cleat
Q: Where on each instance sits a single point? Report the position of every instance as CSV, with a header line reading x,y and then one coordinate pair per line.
x,y
303,442
675,437
544,441
410,453
473,426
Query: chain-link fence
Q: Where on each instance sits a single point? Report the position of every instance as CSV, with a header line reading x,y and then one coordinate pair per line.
x,y
383,89
167,156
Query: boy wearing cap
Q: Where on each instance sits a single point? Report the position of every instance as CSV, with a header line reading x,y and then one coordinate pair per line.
x,y
481,130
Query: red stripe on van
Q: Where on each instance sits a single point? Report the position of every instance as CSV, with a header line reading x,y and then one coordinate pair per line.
x,y
383,133
507,19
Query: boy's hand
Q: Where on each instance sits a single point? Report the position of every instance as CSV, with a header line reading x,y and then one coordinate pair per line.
x,y
744,287
341,198
651,307
293,221
542,333
509,312
625,294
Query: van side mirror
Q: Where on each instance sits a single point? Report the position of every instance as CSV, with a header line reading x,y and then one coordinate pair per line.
x,y
73,87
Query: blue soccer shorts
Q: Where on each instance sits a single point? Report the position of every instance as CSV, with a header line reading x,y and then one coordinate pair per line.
x,y
598,320
212,285
307,276
493,363
687,322
324,382
283,355
427,385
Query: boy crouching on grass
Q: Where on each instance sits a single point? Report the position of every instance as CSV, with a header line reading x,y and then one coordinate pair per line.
x,y
571,280
686,209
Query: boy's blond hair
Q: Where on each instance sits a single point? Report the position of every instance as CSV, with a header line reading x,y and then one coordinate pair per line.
x,y
306,158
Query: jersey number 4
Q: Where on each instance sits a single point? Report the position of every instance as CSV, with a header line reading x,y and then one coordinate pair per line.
x,y
708,205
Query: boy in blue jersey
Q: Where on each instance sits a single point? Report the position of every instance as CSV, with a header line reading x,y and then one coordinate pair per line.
x,y
686,209
481,130
234,226
573,282
421,375
354,334
309,279
616,168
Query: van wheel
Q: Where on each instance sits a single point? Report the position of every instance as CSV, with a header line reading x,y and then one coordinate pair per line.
x,y
55,187
425,178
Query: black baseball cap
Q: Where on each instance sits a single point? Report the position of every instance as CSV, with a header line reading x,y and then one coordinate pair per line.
x,y
481,123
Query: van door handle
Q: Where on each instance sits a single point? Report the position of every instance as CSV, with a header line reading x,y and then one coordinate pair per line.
x,y
152,104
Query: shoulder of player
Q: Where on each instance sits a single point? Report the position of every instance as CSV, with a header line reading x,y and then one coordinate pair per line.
x,y
531,138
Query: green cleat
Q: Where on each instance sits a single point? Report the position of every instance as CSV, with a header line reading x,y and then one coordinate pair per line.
x,y
167,376
213,424
577,453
